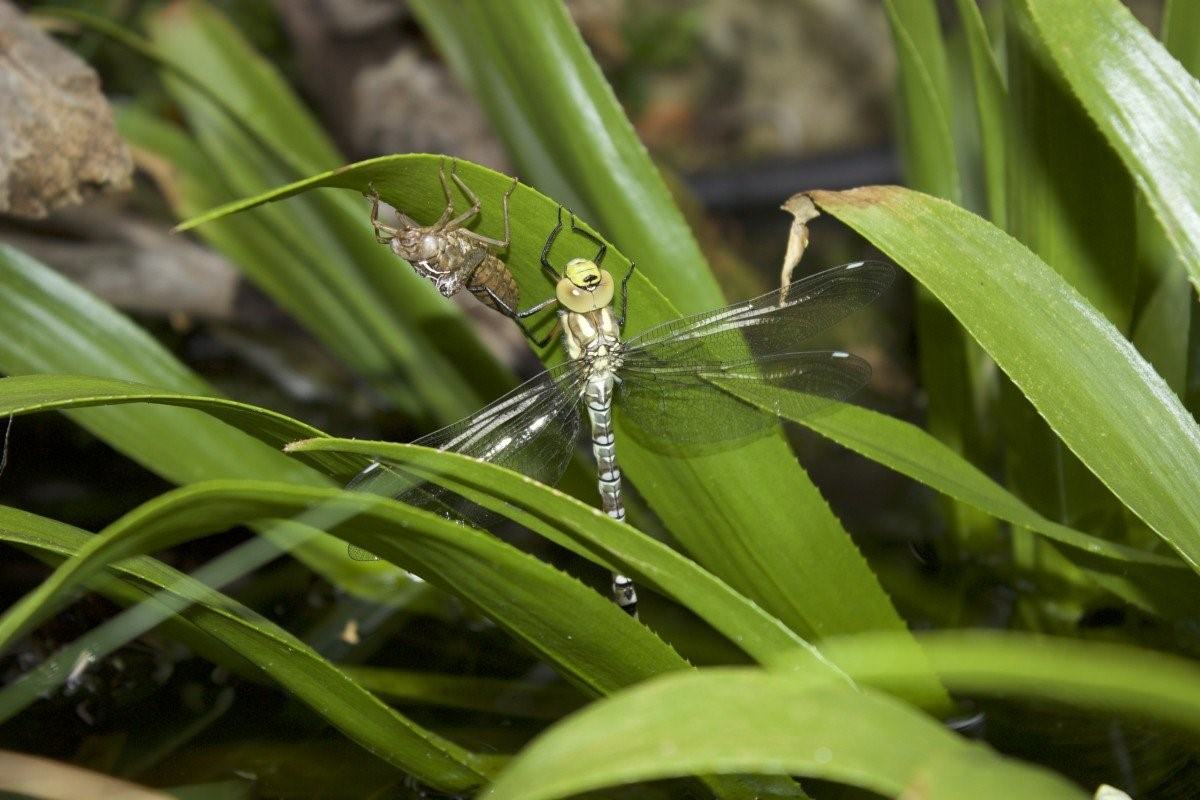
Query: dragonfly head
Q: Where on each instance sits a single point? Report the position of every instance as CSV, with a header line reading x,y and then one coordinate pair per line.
x,y
584,286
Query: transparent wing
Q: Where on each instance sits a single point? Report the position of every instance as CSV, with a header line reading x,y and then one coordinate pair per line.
x,y
677,379
702,404
773,323
532,429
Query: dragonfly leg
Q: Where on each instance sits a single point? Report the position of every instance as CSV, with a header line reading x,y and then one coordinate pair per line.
x,y
462,218
550,243
599,259
383,233
449,211
501,244
625,594
545,341
625,296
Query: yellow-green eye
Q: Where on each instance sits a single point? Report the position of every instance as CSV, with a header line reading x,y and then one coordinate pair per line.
x,y
582,272
582,299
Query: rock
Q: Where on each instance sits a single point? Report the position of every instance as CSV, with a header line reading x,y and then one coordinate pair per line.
x,y
58,142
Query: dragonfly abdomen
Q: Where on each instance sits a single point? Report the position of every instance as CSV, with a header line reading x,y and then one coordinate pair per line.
x,y
597,396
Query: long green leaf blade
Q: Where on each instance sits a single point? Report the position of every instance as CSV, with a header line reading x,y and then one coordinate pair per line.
x,y
1094,676
913,452
593,535
1084,378
726,720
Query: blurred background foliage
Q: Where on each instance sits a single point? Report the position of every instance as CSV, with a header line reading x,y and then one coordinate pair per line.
x,y
740,103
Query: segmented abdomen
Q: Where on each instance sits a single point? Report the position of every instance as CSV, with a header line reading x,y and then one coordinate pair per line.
x,y
493,274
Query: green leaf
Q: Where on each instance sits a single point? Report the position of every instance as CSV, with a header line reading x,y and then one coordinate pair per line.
x,y
52,326
410,182
1100,677
925,136
282,657
911,451
735,720
586,636
1142,100
593,535
1096,392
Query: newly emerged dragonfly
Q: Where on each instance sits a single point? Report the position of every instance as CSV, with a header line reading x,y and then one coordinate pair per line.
x,y
452,256
675,383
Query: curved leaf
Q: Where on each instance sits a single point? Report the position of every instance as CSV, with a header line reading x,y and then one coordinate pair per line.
x,y
1143,101
911,451
29,394
594,535
585,635
749,720
282,657
1096,391
1097,676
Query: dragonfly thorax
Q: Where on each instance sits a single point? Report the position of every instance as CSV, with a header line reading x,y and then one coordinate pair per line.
x,y
594,337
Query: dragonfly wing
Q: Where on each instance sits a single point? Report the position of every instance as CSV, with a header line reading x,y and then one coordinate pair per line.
x,y
532,430
770,324
702,404
678,378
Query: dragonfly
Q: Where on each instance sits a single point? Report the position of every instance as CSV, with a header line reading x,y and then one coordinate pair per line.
x,y
452,256
674,383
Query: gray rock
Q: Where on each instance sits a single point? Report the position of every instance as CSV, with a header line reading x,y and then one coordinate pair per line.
x,y
58,142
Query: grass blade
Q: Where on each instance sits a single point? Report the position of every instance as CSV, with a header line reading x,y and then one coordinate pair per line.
x,y
950,365
991,104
